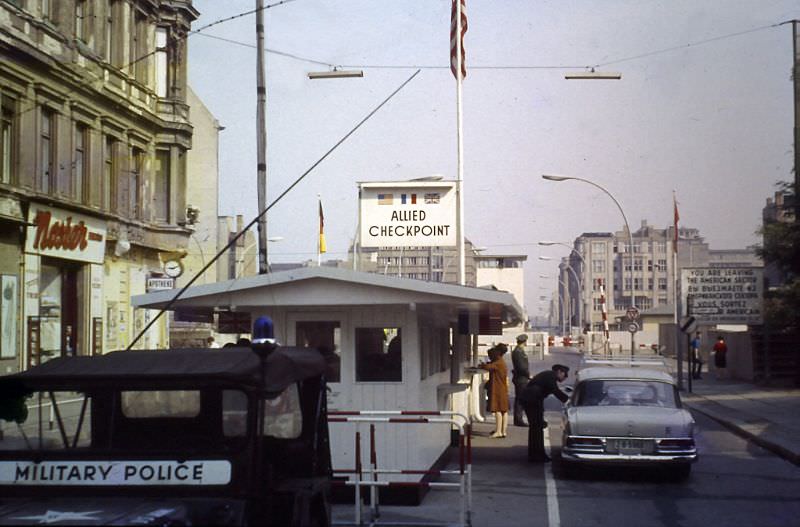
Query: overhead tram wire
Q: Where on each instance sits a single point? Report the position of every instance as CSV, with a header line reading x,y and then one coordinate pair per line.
x,y
88,82
241,233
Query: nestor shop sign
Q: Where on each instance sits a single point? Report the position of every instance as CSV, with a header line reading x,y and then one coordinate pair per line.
x,y
63,234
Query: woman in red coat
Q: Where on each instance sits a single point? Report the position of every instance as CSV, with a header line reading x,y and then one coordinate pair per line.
x,y
498,394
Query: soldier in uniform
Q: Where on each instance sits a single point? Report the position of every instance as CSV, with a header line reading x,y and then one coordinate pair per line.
x,y
520,375
533,396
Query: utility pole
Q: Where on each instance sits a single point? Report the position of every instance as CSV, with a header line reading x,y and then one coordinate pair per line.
x,y
261,132
796,80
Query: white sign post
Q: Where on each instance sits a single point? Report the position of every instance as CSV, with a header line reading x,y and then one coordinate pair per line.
x,y
408,214
724,295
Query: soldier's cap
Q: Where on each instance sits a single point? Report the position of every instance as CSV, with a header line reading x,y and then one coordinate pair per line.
x,y
522,338
561,367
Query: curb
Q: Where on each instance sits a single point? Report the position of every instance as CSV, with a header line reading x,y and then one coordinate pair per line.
x,y
735,425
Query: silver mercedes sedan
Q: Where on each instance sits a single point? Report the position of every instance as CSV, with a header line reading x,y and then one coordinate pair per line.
x,y
627,416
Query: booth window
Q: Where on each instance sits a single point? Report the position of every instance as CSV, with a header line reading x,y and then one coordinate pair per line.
x,y
325,335
378,355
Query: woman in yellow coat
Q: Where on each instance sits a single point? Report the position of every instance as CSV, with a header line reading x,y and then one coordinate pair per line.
x,y
498,393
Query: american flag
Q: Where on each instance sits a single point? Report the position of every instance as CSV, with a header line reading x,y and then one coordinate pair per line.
x,y
385,199
454,43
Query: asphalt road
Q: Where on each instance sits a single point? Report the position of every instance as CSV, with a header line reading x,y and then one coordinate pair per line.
x,y
734,483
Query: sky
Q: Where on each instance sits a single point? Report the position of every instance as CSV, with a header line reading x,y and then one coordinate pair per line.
x,y
704,108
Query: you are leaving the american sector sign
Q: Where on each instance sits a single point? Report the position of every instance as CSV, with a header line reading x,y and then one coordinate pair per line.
x,y
407,214
724,295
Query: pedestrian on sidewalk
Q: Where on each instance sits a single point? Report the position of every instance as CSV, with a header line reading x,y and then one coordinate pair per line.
x,y
696,366
533,396
721,357
520,376
498,392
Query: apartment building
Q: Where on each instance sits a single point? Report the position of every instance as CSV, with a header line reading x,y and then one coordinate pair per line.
x,y
93,171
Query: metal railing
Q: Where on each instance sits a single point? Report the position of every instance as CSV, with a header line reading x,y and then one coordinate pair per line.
x,y
372,473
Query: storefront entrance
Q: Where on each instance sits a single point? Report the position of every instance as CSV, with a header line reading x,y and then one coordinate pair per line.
x,y
59,309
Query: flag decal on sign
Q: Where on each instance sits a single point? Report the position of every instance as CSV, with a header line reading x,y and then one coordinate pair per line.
x,y
385,199
406,199
432,198
457,41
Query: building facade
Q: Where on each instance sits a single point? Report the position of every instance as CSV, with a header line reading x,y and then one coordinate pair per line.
x,y
95,132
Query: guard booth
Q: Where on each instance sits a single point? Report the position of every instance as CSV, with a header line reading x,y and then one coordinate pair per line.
x,y
391,344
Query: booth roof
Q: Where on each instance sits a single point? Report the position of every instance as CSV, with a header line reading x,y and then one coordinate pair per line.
x,y
417,290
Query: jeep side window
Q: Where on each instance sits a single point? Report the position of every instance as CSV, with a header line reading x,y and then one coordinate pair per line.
x,y
234,413
283,418
160,403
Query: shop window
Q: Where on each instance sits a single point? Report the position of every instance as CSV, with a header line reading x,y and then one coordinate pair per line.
x,y
8,315
378,355
161,197
7,141
325,335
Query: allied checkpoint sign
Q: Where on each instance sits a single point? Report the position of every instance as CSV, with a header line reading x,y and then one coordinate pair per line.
x,y
407,214
724,295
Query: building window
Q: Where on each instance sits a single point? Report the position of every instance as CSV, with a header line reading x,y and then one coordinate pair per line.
x,y
325,336
598,266
437,276
7,142
598,248
111,37
637,283
650,266
637,264
109,182
379,355
79,164
662,265
662,284
135,181
46,150
627,284
139,51
644,302
46,10
81,20
649,284
162,62
161,191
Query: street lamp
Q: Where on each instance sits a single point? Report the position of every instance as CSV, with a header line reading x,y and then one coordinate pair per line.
x,y
565,301
243,265
630,234
335,73
586,313
591,74
578,284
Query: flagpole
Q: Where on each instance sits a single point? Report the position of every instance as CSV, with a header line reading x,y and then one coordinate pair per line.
x,y
675,289
460,140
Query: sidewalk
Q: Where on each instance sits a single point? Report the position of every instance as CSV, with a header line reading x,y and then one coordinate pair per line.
x,y
767,416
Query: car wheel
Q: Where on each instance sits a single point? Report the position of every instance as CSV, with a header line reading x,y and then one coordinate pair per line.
x,y
569,470
680,472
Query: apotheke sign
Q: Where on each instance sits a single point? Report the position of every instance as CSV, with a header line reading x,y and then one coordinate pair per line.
x,y
62,234
724,295
408,214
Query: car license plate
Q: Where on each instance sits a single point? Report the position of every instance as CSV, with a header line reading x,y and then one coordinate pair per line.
x,y
629,446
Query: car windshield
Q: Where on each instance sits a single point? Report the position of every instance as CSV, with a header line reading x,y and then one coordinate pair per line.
x,y
599,392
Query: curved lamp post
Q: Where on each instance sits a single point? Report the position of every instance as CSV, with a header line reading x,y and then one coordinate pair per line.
x,y
550,177
586,314
577,283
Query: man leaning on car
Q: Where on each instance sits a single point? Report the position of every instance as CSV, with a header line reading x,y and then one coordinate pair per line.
x,y
533,396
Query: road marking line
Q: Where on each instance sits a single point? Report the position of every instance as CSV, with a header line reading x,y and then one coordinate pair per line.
x,y
553,516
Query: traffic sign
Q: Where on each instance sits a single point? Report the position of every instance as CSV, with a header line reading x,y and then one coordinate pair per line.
x,y
633,327
632,313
